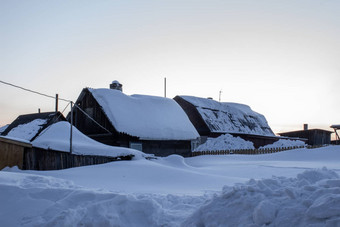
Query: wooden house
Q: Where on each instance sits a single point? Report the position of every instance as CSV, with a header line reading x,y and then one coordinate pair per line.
x,y
28,127
314,136
212,119
150,124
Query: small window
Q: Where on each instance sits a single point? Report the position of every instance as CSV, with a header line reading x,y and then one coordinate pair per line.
x,y
89,111
136,145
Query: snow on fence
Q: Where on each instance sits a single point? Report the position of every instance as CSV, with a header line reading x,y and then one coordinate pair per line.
x,y
250,151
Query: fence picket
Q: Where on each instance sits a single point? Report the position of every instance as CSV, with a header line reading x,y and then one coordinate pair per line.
x,y
251,151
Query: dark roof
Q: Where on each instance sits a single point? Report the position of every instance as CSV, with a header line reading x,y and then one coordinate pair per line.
x,y
210,116
301,131
335,126
47,118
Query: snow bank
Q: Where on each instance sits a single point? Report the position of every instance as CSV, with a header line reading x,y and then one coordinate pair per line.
x,y
147,117
27,131
225,142
312,198
223,117
285,143
49,201
57,137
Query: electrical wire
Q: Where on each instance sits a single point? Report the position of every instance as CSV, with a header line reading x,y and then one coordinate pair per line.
x,y
36,92
92,119
50,96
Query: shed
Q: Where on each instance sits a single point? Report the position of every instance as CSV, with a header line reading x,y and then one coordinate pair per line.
x,y
212,119
314,136
151,124
28,126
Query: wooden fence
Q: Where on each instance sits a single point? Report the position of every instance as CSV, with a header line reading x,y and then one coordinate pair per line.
x,y
249,151
40,159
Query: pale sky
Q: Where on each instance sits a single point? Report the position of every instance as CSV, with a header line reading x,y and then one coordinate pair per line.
x,y
279,57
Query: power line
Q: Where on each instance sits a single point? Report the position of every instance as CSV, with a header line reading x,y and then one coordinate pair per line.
x,y
29,90
69,102
92,119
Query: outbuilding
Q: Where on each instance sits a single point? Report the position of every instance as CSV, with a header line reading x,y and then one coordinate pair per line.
x,y
314,137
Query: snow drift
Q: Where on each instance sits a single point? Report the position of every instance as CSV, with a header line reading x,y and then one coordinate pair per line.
x,y
312,198
212,190
285,143
225,142
57,137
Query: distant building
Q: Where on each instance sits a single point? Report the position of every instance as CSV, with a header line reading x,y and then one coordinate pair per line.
x,y
151,124
337,138
212,119
313,136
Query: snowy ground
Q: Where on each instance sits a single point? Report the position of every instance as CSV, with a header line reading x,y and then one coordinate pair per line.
x,y
292,188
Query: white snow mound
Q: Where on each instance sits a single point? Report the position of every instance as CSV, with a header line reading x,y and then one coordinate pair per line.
x,y
225,142
285,143
312,198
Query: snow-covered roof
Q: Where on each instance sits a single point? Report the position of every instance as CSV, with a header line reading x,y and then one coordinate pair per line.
x,y
57,137
224,117
147,117
3,128
28,126
28,130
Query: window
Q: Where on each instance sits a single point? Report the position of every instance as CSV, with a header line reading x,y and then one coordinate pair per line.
x,y
136,145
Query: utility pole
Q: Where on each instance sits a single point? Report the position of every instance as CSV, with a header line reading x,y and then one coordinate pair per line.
x,y
71,127
164,87
56,102
219,98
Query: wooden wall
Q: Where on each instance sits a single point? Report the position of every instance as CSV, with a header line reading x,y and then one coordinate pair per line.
x,y
313,136
26,157
166,148
40,159
12,152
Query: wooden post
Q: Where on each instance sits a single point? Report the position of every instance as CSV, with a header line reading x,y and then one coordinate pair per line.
x,y
71,127
56,102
